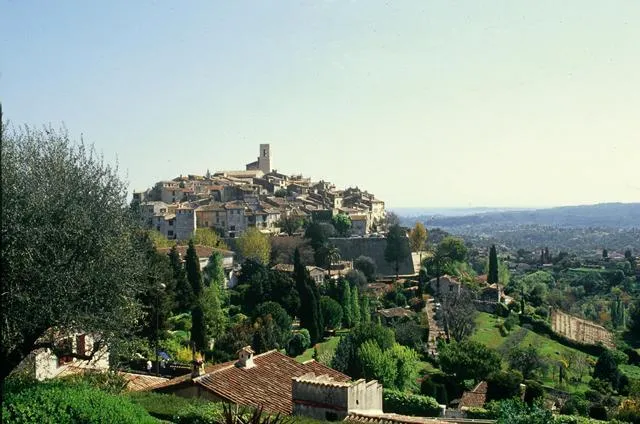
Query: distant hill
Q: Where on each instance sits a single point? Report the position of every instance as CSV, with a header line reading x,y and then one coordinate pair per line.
x,y
603,215
572,228
415,212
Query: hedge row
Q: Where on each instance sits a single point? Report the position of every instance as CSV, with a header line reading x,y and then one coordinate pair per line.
x,y
543,327
59,402
409,404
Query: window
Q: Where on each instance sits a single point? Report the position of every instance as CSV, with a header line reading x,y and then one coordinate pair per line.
x,y
65,346
169,234
81,347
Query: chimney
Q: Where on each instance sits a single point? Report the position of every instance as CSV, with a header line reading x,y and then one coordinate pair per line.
x,y
197,365
245,358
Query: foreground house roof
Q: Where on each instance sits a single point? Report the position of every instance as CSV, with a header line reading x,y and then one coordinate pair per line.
x,y
475,398
267,383
389,418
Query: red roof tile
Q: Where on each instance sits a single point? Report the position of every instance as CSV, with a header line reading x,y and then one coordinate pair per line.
x,y
475,398
268,384
142,382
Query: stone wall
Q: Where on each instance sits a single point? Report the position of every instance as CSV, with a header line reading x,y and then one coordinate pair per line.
x,y
351,248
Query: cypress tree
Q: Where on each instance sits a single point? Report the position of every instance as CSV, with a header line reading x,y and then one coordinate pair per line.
x,y
198,331
309,313
192,265
492,277
365,313
183,290
345,301
194,276
355,306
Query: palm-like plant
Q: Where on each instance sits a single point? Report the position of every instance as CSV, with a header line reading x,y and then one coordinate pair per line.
x,y
333,256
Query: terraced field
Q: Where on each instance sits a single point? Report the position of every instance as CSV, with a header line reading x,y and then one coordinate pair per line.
x,y
580,330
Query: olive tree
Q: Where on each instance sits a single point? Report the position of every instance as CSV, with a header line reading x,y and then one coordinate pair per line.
x,y
69,256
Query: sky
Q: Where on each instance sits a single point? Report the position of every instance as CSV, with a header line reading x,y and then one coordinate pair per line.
x,y
504,103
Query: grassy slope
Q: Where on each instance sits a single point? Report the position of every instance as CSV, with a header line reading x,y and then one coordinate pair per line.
x,y
329,344
488,334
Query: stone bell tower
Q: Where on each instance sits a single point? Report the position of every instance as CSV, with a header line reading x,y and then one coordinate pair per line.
x,y
264,160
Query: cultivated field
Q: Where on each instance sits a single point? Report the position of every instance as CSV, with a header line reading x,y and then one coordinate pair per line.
x,y
580,330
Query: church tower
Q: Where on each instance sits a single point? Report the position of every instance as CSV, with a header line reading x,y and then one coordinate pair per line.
x,y
264,160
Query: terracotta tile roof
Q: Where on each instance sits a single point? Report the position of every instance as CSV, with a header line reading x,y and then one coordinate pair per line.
x,y
201,251
388,418
142,382
268,384
186,378
475,398
396,312
283,267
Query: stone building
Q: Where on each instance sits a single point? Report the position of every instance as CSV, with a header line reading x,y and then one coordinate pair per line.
x,y
323,398
264,160
43,364
185,223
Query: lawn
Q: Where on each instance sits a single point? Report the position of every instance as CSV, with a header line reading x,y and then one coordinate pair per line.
x,y
487,332
631,371
329,345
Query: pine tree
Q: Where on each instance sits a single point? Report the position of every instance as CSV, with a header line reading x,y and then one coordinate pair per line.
x,y
492,277
183,290
355,306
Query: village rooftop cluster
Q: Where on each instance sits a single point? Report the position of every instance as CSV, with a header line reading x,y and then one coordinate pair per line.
x,y
230,202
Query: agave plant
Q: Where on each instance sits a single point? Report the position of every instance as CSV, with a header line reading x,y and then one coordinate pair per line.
x,y
233,414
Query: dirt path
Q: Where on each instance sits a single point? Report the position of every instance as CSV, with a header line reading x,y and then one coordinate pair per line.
x,y
434,328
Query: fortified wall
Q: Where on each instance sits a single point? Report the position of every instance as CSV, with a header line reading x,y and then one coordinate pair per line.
x,y
351,248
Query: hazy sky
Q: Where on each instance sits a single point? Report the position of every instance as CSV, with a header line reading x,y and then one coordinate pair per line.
x,y
424,103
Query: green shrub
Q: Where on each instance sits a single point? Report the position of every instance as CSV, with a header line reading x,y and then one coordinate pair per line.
x,y
533,391
180,322
110,382
209,413
503,330
164,406
409,404
511,321
217,413
61,402
571,419
478,413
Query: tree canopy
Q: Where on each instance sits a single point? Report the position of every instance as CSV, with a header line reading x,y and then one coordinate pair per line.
x,y
69,255
397,248
367,266
468,360
418,237
252,244
342,223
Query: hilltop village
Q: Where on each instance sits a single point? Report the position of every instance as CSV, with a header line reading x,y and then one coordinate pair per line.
x,y
287,296
230,202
